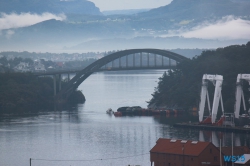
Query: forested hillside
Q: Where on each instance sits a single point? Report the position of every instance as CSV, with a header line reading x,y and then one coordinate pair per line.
x,y
181,87
24,91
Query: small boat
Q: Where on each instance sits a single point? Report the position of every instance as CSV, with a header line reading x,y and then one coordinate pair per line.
x,y
109,111
117,114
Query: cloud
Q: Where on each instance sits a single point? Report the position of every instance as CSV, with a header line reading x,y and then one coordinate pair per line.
x,y
225,29
13,20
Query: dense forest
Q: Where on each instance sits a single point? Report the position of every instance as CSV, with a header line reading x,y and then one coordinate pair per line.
x,y
20,91
180,88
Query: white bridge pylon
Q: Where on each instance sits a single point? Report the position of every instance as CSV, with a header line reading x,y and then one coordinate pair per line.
x,y
217,82
239,93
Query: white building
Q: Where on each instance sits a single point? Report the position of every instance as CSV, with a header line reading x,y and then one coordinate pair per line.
x,y
38,66
22,67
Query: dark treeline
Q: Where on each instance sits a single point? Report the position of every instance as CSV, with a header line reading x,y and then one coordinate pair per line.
x,y
181,87
19,91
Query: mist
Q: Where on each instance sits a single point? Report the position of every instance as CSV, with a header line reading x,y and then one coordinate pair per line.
x,y
227,28
8,21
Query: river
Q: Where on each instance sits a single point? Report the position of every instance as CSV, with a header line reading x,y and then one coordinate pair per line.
x,y
85,135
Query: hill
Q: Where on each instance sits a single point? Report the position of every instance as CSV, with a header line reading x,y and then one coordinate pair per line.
x,y
52,6
181,87
199,8
23,91
191,12
146,29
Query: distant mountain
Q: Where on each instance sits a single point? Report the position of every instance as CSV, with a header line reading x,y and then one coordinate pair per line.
x,y
146,29
200,8
124,12
52,6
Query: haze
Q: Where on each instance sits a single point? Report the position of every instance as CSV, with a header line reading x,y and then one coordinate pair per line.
x,y
129,4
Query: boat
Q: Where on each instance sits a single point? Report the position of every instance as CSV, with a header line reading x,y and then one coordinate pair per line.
x,y
109,111
117,114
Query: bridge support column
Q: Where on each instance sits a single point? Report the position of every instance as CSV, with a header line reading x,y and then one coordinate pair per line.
x,y
148,59
133,60
60,82
155,60
54,79
141,59
126,60
162,61
68,77
120,63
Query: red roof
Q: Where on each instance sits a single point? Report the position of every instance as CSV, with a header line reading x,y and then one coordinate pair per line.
x,y
170,146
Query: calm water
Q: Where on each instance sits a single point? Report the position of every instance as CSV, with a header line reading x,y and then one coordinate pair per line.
x,y
88,134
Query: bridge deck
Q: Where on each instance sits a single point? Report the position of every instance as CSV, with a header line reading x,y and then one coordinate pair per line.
x,y
104,69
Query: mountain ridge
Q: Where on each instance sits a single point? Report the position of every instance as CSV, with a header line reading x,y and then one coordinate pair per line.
x,y
52,6
199,8
100,30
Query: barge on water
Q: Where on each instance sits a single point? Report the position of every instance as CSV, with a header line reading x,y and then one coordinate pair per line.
x,y
213,128
137,110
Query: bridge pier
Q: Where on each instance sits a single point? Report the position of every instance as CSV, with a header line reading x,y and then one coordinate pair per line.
x,y
120,62
60,82
155,59
148,59
133,60
140,59
126,60
54,80
162,61
68,77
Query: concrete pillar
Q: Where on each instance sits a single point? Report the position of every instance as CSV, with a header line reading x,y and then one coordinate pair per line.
x,y
60,82
68,77
148,59
155,60
162,61
126,60
54,78
141,59
133,60
120,63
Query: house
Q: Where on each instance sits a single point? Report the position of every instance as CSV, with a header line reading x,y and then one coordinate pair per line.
x,y
171,152
22,67
38,66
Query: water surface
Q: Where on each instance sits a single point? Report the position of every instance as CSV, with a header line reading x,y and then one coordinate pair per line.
x,y
86,133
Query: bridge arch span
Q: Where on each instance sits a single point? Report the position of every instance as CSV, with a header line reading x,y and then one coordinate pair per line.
x,y
86,72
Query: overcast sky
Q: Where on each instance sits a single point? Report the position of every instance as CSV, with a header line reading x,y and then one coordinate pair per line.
x,y
129,4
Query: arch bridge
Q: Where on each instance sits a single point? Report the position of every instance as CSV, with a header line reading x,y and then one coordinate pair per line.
x,y
132,59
